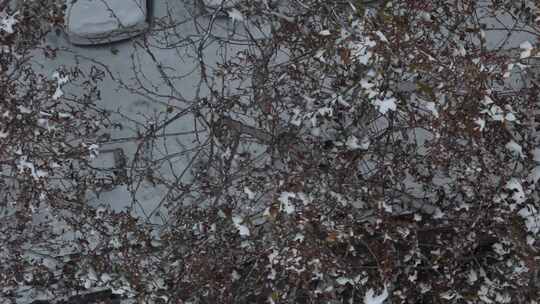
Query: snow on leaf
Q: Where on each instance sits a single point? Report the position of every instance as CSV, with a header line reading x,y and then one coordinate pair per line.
x,y
58,93
381,36
508,71
438,214
285,205
385,105
481,123
353,143
243,230
249,193
320,55
430,106
24,110
519,195
324,33
472,277
487,100
536,154
7,22
534,176
235,15
510,117
60,79
499,249
344,280
371,298
448,295
515,148
527,47
495,112
531,216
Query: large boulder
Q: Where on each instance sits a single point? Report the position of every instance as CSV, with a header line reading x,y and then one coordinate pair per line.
x,y
104,21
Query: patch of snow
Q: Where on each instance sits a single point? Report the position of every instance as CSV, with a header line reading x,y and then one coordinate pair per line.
x,y
285,205
235,15
381,36
249,193
371,298
324,33
515,148
353,143
386,104
534,176
527,47
519,195
7,22
481,123
536,154
243,230
532,218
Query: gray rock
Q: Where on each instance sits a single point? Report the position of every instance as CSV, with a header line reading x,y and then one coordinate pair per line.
x,y
103,21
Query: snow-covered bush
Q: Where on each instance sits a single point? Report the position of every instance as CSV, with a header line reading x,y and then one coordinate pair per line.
x,y
343,152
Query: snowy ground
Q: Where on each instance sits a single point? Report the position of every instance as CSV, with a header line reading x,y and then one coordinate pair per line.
x,y
133,65
130,64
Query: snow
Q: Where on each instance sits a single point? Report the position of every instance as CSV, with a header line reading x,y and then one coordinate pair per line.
x,y
481,123
430,106
515,148
534,176
110,20
243,230
324,33
531,215
386,104
235,15
527,47
220,3
286,205
353,143
24,164
7,22
518,194
249,193
381,36
371,298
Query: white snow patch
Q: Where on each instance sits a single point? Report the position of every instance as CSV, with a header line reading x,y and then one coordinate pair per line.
x,y
386,104
515,148
381,36
249,193
285,205
534,176
7,22
536,155
481,123
519,195
532,218
324,33
430,106
242,229
371,298
527,48
353,143
235,15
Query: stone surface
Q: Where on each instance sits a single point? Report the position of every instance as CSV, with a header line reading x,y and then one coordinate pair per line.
x,y
220,3
102,21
